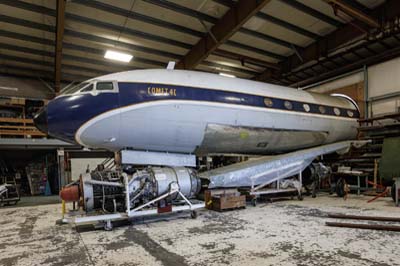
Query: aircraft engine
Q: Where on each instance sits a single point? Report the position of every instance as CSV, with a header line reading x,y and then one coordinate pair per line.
x,y
106,190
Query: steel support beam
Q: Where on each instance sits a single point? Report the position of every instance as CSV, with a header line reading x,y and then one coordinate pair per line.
x,y
182,10
229,68
387,55
245,59
223,29
312,12
35,73
254,50
287,25
97,51
343,35
269,38
157,22
135,33
274,20
76,47
59,41
358,5
334,57
85,36
50,64
353,12
138,16
96,23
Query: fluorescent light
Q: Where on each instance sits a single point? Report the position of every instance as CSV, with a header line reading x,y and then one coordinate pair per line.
x,y
113,55
227,75
9,88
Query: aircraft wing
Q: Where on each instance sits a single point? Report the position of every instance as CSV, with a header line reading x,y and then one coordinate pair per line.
x,y
268,169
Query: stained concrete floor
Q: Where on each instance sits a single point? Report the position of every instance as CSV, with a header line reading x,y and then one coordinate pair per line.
x,y
280,233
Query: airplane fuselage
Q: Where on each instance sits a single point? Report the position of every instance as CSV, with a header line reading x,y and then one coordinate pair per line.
x,y
195,112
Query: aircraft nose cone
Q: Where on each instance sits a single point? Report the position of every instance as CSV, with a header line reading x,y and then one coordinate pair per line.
x,y
40,120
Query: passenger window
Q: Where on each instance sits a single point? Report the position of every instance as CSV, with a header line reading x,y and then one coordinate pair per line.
x,y
104,86
268,102
350,113
288,105
88,88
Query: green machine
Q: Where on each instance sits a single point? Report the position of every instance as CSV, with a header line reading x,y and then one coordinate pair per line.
x,y
389,166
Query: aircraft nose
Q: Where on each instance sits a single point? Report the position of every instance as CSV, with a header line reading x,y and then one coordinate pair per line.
x,y
40,120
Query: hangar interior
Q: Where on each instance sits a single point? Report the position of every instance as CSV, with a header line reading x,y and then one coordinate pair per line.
x,y
270,189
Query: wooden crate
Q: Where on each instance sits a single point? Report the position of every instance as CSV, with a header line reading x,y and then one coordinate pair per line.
x,y
222,203
224,199
208,194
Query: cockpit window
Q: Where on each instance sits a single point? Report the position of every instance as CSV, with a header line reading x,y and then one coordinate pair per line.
x,y
75,88
88,88
104,86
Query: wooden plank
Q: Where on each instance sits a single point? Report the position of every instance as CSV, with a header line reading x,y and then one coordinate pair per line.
x,y
18,127
21,133
16,120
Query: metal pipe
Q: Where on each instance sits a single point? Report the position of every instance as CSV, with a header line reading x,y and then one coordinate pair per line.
x,y
331,79
104,183
365,226
357,217
366,111
354,13
384,97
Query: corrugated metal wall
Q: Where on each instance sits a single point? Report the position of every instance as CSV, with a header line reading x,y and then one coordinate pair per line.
x,y
383,87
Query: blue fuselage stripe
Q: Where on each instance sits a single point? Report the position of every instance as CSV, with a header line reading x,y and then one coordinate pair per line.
x,y
146,92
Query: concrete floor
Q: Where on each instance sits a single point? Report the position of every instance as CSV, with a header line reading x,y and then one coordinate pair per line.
x,y
38,200
281,233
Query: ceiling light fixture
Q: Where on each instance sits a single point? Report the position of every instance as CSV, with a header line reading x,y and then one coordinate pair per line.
x,y
113,55
227,75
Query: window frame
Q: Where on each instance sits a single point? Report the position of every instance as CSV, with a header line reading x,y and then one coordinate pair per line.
x,y
105,81
68,90
95,92
89,84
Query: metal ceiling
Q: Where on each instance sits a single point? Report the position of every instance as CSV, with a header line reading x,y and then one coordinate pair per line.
x,y
289,42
